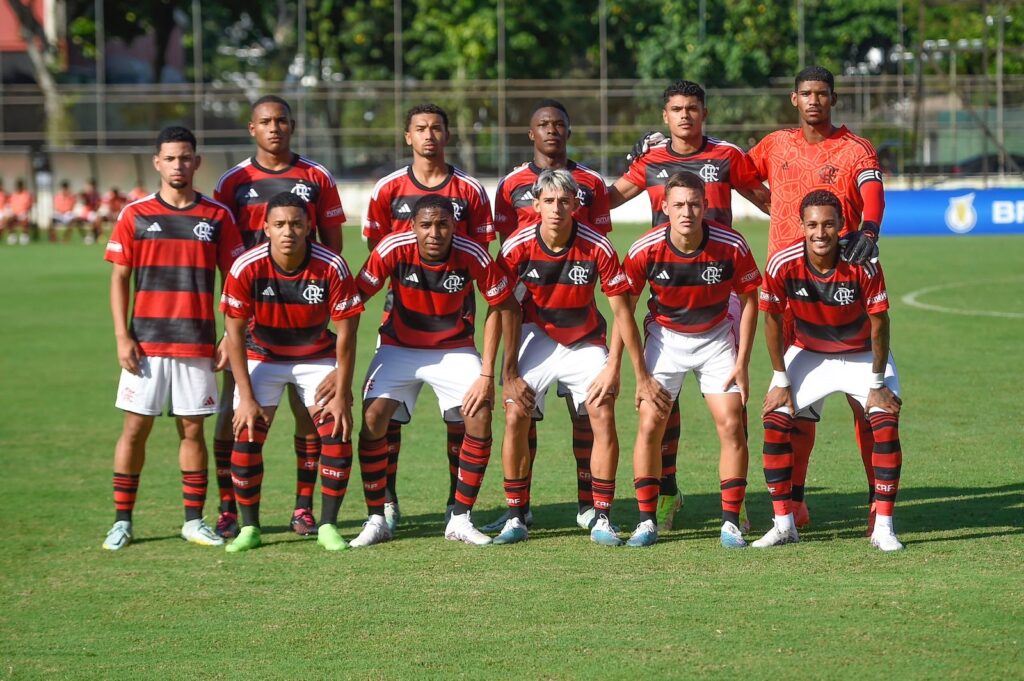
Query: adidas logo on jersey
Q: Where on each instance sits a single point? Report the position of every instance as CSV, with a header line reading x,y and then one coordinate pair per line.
x,y
533,274
802,292
412,277
662,174
528,196
663,275
209,402
404,209
252,193
155,227
268,291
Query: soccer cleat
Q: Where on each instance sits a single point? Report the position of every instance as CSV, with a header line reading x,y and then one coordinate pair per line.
x,y
871,520
744,520
198,532
23,239
731,537
604,534
89,240
460,528
12,239
248,538
776,537
328,537
514,531
392,514
227,524
503,520
586,518
119,536
375,531
645,534
303,522
801,516
885,540
668,505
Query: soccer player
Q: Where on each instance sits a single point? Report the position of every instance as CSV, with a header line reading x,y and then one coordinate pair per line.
x,y
63,211
723,167
819,155
170,243
692,266
840,344
558,260
513,208
245,189
391,210
87,219
284,292
427,338
19,208
111,204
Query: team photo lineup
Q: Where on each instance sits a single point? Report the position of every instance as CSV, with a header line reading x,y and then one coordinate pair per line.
x,y
292,289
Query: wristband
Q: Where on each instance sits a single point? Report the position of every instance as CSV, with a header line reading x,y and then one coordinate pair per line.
x,y
780,379
487,375
877,380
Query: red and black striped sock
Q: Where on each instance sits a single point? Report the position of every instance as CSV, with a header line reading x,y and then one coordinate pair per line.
x,y
307,456
887,459
670,452
604,495
126,487
394,439
582,446
531,444
193,490
472,465
778,460
647,497
802,442
517,496
222,461
335,469
456,431
733,491
247,472
373,467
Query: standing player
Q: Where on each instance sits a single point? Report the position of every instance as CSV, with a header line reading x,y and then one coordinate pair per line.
x,y
513,208
723,167
19,211
427,338
818,155
391,210
558,260
692,267
245,189
840,344
171,242
284,292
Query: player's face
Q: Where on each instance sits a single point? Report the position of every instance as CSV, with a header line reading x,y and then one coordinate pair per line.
x,y
814,101
555,207
684,116
176,162
821,226
685,209
271,126
287,228
426,135
549,131
434,229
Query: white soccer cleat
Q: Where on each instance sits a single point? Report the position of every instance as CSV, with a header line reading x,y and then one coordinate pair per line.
x,y
777,537
460,528
119,536
586,519
392,514
499,524
605,534
198,532
375,531
513,532
885,539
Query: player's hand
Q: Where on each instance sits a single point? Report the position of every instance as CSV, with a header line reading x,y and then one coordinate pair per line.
x,y
777,398
327,389
479,395
883,398
247,413
738,377
605,385
129,355
649,390
220,362
340,409
516,391
860,247
644,144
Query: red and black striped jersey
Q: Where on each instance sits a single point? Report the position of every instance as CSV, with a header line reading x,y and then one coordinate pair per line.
x,y
830,309
513,201
174,254
428,309
394,198
722,166
690,291
288,312
559,287
247,187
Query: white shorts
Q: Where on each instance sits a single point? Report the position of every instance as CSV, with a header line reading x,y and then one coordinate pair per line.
x,y
543,361
398,374
733,315
189,382
815,375
63,218
711,356
269,379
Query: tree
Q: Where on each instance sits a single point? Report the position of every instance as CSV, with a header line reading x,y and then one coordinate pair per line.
x,y
44,57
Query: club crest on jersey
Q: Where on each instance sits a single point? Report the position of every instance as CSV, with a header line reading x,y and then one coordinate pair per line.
x,y
302,190
313,294
579,275
582,197
203,231
712,274
453,283
843,296
457,210
708,172
827,174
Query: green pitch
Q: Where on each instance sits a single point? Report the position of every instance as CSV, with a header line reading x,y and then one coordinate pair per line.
x,y
556,606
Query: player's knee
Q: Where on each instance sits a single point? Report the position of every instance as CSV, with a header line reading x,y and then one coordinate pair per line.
x,y
516,418
191,429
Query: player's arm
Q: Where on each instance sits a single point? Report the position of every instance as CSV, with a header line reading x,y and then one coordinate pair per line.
x,y
621,191
330,237
748,326
625,333
880,395
758,195
481,392
248,410
779,393
340,405
128,351
861,246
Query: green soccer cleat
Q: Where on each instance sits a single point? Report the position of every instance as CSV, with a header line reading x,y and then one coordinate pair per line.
x,y
248,538
329,538
668,505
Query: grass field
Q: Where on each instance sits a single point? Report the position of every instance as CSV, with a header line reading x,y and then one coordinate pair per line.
x,y
950,606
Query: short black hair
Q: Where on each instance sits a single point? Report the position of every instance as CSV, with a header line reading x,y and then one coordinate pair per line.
x,y
822,197
433,201
174,133
286,200
815,74
64,184
426,109
270,99
550,104
685,179
20,184
686,88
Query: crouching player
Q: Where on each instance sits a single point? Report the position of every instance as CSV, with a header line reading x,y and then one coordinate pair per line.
x,y
426,338
558,261
841,345
692,266
284,291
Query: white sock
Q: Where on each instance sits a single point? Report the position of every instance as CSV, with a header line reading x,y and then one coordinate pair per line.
x,y
883,522
784,522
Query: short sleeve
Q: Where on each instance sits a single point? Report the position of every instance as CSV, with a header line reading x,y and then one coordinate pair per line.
x,y
742,171
377,223
120,247
773,294
636,173
230,245
330,214
747,277
481,225
236,299
613,279
635,267
344,296
495,282
758,155
373,275
506,220
599,211
876,299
